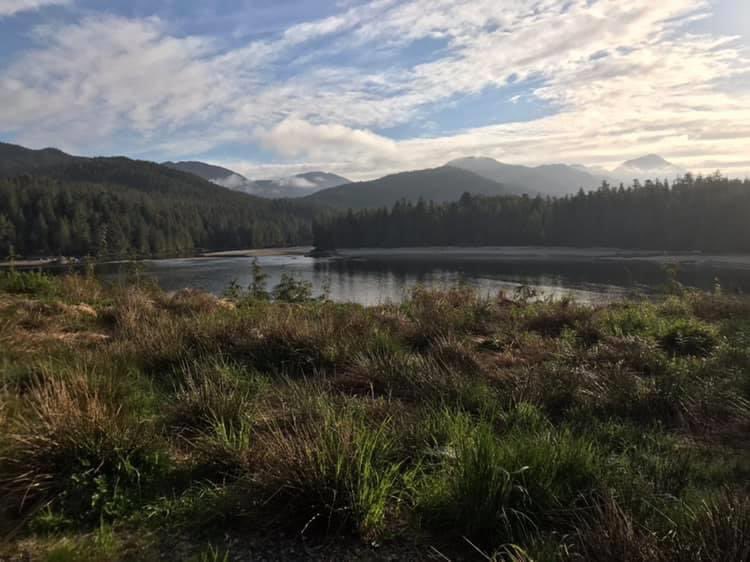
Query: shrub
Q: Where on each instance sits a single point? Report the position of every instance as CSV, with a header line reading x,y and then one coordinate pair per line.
x,y
292,290
689,338
27,282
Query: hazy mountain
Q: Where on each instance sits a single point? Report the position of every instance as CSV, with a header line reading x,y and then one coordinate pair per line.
x,y
318,180
299,185
439,184
561,179
651,167
550,179
16,160
216,174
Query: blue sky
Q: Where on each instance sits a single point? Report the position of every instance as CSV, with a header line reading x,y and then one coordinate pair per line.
x,y
364,88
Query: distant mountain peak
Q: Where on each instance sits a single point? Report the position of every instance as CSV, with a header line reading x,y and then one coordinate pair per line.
x,y
649,167
548,179
648,161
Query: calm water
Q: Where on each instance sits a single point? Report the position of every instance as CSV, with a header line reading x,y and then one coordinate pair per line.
x,y
376,276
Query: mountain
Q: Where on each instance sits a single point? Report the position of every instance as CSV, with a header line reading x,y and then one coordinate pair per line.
x,y
439,185
550,179
561,179
16,160
216,174
318,180
56,204
651,167
299,185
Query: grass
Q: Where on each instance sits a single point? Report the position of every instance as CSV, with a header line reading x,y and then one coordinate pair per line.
x,y
478,427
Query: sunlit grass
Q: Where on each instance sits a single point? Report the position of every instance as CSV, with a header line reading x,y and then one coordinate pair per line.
x,y
524,430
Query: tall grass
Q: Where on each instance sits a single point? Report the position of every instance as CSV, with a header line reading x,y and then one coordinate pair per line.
x,y
504,490
337,473
72,447
487,427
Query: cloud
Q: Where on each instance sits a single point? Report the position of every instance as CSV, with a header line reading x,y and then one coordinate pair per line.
x,y
296,137
623,78
300,183
13,7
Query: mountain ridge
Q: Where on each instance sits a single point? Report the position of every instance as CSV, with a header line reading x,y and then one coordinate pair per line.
x,y
296,186
442,184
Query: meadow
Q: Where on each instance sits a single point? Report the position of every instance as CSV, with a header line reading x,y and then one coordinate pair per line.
x,y
141,425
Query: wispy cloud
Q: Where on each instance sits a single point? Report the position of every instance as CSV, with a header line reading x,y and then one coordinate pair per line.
x,y
13,7
625,78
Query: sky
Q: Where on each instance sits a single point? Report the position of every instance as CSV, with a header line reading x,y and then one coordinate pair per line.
x,y
363,88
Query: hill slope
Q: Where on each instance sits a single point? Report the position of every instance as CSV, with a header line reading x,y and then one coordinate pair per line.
x,y
549,179
299,185
439,185
215,174
16,160
651,166
117,206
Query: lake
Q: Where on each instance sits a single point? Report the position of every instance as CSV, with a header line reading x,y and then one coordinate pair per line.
x,y
372,276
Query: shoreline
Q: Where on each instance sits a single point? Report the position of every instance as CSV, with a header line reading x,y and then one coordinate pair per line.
x,y
458,253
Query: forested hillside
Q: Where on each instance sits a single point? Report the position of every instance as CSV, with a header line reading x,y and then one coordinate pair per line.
x,y
116,207
15,160
439,184
704,213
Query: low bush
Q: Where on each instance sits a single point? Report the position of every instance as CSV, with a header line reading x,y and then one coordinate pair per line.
x,y
27,282
687,337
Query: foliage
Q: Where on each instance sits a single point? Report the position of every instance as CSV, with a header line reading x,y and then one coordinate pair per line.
x,y
115,207
25,282
290,289
703,213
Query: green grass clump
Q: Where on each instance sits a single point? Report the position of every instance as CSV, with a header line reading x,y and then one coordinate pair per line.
x,y
337,472
687,337
72,448
497,490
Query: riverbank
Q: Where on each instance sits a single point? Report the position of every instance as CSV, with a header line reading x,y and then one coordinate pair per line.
x,y
260,252
67,261
141,425
550,253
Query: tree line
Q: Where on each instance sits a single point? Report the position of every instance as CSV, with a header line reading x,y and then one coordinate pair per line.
x,y
693,214
119,207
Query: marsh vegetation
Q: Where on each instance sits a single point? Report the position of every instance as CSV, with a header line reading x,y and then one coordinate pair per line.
x,y
451,425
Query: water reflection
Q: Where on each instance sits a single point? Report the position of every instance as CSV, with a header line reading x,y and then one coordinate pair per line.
x,y
375,278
